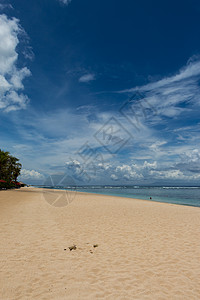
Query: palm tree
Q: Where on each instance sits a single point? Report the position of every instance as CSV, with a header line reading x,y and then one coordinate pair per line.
x,y
9,166
4,158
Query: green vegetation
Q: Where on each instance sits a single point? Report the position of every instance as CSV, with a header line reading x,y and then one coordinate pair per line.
x,y
9,170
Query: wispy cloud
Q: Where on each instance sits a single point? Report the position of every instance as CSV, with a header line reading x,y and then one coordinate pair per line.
x,y
5,6
192,69
169,95
11,77
66,2
87,78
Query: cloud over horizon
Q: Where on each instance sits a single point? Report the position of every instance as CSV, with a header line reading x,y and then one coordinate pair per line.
x,y
30,174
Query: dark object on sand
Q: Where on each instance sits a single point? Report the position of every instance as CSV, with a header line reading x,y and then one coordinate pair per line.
x,y
95,245
72,247
150,198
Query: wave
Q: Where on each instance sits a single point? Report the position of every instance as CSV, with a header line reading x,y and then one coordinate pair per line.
x,y
181,187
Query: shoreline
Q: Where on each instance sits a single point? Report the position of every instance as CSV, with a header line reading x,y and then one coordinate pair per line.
x,y
145,250
118,196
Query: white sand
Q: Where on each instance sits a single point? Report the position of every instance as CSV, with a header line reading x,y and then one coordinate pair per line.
x,y
146,250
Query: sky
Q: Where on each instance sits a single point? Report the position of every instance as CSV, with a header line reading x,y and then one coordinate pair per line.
x,y
105,92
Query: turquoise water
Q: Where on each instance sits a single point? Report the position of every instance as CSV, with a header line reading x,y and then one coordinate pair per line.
x,y
175,195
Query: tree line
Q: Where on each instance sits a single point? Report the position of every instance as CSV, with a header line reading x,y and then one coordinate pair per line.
x,y
9,168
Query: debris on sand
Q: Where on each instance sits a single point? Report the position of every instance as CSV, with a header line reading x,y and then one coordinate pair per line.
x,y
72,247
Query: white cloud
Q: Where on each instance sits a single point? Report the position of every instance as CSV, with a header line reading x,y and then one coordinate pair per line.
x,y
135,171
174,175
150,165
113,177
31,174
122,168
192,156
4,6
73,164
168,174
66,2
11,77
87,170
164,98
132,176
104,166
156,146
189,162
192,69
87,78
147,170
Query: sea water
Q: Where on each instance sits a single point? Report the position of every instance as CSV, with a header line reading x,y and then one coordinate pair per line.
x,y
176,195
182,195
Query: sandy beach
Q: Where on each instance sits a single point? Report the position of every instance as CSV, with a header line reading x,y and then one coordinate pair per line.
x,y
144,249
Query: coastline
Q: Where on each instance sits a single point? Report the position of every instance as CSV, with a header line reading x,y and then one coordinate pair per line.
x,y
124,196
146,249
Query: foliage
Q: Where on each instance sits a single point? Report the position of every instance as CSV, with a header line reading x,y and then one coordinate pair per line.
x,y
9,169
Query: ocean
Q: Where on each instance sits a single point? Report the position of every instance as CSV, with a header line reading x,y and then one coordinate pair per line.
x,y
182,195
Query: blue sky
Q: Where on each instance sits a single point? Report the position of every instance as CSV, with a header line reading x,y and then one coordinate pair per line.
x,y
104,91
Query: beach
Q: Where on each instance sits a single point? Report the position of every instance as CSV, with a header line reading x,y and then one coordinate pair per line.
x,y
125,248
